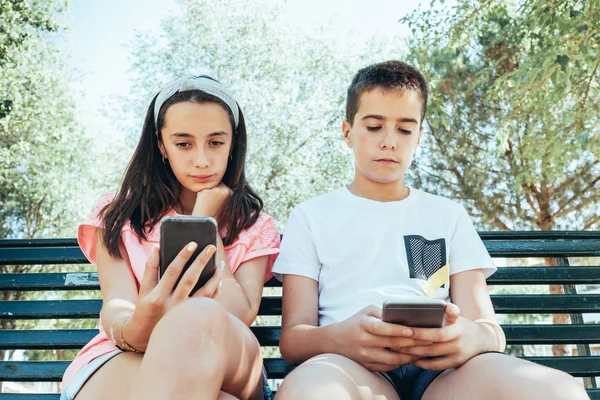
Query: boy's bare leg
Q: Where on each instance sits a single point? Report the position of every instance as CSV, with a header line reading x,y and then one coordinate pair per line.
x,y
226,396
495,376
331,376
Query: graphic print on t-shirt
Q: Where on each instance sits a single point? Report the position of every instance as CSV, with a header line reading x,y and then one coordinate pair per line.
x,y
425,257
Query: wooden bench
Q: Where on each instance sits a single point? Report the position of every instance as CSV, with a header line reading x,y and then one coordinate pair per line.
x,y
558,245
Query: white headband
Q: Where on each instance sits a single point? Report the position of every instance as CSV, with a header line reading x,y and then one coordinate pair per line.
x,y
202,83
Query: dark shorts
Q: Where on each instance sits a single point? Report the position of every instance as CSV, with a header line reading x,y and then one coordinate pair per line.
x,y
411,382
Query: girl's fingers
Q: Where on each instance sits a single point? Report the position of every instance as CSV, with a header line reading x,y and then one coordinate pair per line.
x,y
213,286
191,276
150,278
173,271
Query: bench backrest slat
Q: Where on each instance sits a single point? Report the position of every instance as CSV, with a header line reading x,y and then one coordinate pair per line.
x,y
557,245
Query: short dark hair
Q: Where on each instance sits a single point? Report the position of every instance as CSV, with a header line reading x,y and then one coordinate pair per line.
x,y
389,75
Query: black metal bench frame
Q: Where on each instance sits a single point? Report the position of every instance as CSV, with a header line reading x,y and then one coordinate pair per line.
x,y
557,245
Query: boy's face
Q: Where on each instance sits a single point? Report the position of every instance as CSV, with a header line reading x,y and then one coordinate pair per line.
x,y
385,134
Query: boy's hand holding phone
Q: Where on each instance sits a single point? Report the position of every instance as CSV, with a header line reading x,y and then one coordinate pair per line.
x,y
156,297
366,339
209,202
452,345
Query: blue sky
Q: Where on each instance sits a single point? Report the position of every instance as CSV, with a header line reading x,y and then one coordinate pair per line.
x,y
101,30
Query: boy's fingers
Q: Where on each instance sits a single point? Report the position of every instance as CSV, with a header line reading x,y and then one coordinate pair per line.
x,y
452,313
436,335
401,342
437,364
389,357
150,278
380,328
432,350
372,311
377,367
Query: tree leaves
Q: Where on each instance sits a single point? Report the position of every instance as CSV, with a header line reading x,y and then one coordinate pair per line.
x,y
42,148
525,76
291,86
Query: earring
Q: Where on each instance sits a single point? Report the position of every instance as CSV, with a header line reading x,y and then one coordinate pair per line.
x,y
163,160
230,157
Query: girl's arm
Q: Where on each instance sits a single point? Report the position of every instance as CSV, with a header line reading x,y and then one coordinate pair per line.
x,y
241,293
117,284
129,315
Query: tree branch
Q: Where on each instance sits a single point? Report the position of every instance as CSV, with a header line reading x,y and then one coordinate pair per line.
x,y
587,89
593,222
453,169
564,210
458,26
585,169
501,225
447,182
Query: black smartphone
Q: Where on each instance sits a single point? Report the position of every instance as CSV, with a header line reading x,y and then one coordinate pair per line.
x,y
177,232
417,313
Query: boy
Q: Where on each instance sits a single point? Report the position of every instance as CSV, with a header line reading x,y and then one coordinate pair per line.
x,y
346,252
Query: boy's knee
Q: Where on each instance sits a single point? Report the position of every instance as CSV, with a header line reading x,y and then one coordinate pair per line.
x,y
552,384
320,378
523,380
562,386
299,384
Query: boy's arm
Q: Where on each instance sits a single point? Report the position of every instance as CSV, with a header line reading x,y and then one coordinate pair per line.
x,y
468,290
301,337
363,337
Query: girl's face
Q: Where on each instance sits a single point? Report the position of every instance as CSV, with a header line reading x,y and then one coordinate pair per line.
x,y
196,142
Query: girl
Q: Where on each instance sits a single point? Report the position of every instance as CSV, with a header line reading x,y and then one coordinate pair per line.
x,y
156,342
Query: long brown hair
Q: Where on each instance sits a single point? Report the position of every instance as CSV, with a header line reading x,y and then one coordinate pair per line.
x,y
149,189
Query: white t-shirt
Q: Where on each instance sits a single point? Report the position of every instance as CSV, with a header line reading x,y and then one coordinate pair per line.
x,y
363,252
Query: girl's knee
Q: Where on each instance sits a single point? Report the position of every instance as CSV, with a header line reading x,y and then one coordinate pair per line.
x,y
195,321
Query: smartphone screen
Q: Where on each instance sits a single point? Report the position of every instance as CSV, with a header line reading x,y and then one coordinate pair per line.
x,y
418,313
177,232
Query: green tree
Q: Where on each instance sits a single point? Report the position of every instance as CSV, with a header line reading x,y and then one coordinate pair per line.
x,y
45,157
291,85
513,123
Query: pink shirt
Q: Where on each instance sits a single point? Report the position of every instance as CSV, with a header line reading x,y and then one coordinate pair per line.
x,y
261,239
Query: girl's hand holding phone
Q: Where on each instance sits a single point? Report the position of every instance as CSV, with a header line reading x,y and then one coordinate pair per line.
x,y
156,297
452,345
209,202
